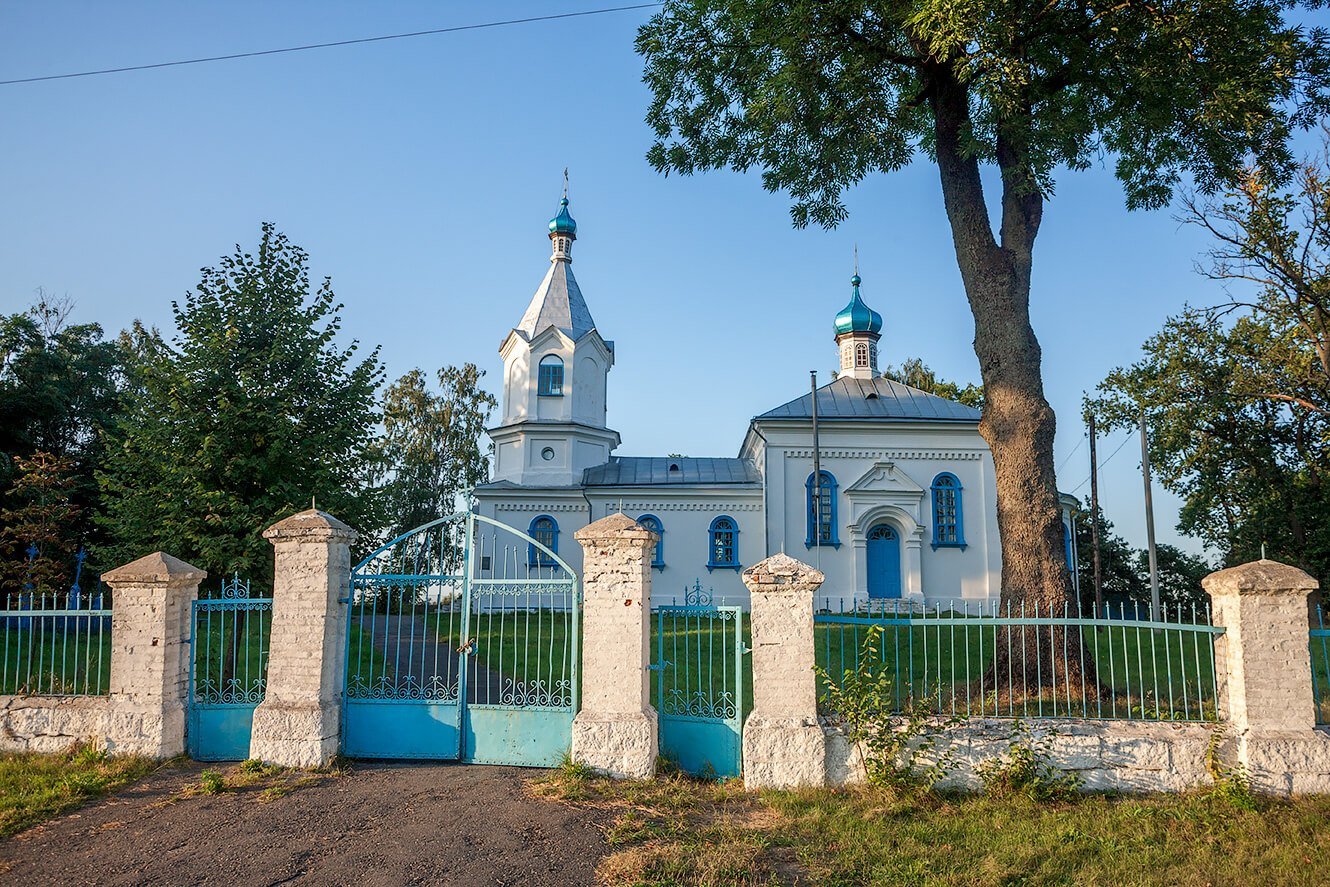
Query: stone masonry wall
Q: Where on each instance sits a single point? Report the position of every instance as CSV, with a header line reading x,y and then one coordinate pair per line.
x,y
1120,756
53,723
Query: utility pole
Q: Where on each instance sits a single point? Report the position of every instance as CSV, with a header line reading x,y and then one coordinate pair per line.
x,y
1094,524
1150,524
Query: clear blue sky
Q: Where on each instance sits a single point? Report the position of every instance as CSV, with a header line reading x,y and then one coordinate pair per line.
x,y
420,175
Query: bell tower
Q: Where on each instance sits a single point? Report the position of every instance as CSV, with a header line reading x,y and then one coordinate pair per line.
x,y
555,368
857,330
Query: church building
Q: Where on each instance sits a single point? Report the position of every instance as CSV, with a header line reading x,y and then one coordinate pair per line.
x,y
904,507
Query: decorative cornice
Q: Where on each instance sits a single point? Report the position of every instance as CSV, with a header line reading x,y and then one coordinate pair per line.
x,y
890,455
535,504
682,506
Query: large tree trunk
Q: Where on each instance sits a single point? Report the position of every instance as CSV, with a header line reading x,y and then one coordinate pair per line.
x,y
1017,423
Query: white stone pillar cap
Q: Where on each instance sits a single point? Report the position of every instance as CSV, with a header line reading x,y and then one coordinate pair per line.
x,y
781,572
616,527
158,568
310,525
1259,577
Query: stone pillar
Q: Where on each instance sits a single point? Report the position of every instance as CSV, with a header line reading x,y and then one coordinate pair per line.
x,y
1263,669
150,615
615,732
298,724
783,742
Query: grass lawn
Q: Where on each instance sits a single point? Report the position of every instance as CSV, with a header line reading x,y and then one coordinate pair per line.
x,y
231,645
37,787
1142,674
673,830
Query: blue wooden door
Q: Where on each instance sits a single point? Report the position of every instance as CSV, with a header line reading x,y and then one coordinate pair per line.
x,y
884,562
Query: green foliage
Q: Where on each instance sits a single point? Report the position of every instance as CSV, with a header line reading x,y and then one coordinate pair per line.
x,y
59,388
900,752
37,787
915,373
1238,395
818,94
1125,571
211,782
1026,770
252,411
1232,782
430,450
40,511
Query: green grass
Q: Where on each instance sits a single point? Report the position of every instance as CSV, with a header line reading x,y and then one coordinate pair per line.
x,y
38,787
52,661
1137,669
364,660
1320,648
678,831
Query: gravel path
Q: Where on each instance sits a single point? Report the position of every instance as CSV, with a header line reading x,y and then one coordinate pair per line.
x,y
382,824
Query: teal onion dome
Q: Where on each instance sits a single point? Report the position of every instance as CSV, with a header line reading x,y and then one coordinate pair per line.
x,y
563,223
857,317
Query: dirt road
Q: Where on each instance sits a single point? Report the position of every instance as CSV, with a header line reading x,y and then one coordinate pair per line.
x,y
381,824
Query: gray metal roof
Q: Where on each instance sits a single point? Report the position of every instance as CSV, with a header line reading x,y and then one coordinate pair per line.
x,y
558,302
848,398
640,471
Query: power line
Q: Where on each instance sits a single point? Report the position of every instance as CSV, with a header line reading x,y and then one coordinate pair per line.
x,y
1103,463
1073,452
261,52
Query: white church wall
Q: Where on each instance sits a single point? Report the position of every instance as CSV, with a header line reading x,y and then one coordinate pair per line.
x,y
686,516
917,454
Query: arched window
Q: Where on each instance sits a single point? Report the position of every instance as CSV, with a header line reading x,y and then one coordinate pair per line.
x,y
724,550
861,355
821,515
545,530
652,523
948,526
550,381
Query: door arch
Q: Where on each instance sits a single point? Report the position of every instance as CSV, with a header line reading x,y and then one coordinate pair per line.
x,y
884,562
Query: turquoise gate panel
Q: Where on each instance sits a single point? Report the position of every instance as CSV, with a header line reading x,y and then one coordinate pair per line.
x,y
462,643
700,662
228,670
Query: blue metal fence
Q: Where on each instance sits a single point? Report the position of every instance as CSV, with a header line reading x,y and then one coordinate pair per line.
x,y
984,659
1320,650
56,644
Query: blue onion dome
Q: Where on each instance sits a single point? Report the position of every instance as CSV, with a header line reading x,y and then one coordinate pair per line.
x,y
857,317
563,223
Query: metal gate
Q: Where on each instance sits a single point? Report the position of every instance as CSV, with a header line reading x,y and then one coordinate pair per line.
x,y
228,673
462,644
701,668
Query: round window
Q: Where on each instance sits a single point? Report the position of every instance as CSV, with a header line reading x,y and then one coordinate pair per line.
x,y
547,454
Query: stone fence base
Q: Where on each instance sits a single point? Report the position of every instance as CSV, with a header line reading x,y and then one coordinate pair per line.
x,y
1125,756
53,723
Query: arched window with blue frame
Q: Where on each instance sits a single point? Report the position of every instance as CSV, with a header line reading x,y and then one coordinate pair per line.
x,y
723,553
545,530
652,523
550,379
822,525
948,515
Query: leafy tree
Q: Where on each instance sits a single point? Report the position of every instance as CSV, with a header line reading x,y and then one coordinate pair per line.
x,y
59,388
249,413
915,373
1180,575
1118,567
1250,469
37,525
431,444
819,94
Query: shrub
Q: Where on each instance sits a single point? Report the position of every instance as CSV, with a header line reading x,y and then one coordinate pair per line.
x,y
1026,769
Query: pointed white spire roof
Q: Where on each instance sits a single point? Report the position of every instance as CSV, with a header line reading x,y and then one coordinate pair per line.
x,y
558,300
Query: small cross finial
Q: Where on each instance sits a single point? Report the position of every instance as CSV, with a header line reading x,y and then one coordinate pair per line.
x,y
565,181
856,259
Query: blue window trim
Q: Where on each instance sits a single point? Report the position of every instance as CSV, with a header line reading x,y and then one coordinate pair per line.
x,y
1067,537
534,556
810,521
657,559
550,384
957,489
733,563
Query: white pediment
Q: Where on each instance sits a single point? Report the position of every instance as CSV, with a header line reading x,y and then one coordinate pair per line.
x,y
885,477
